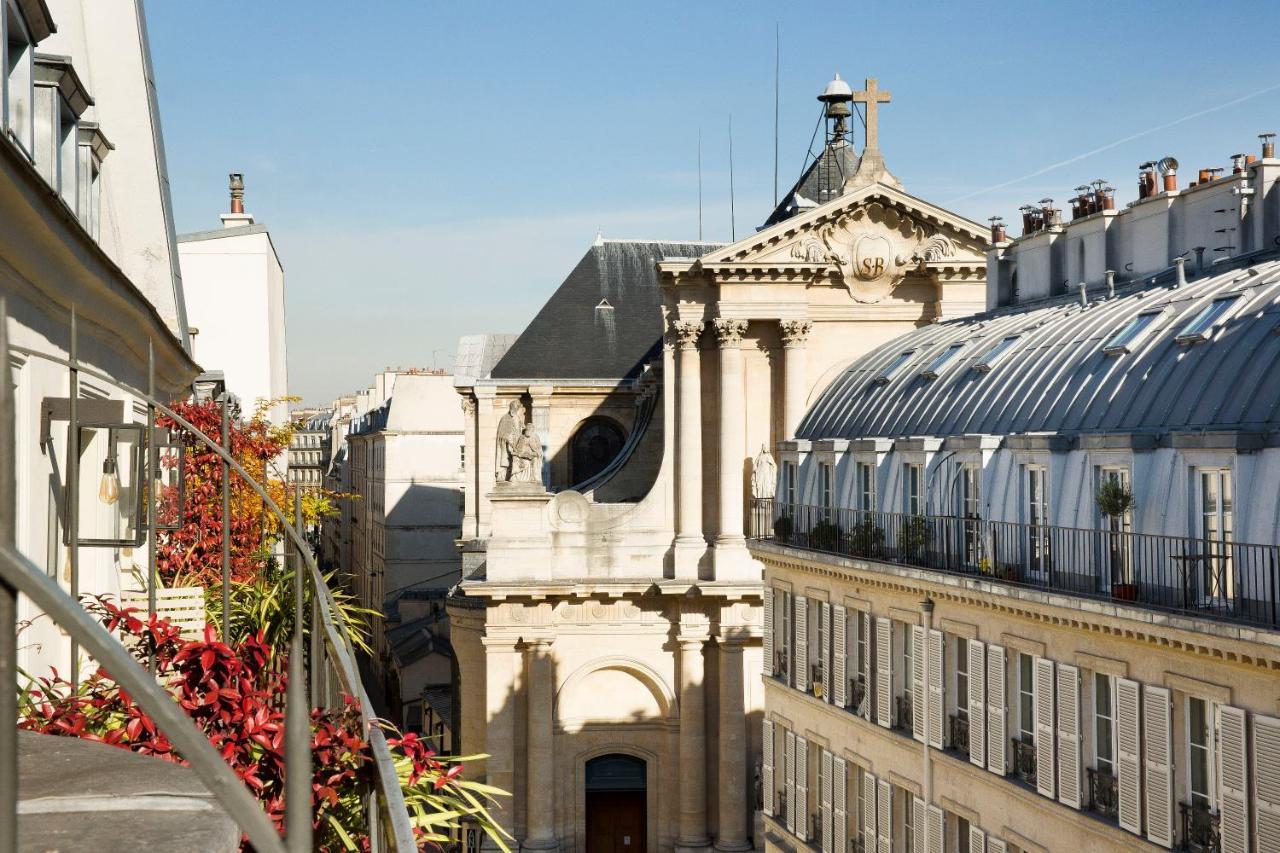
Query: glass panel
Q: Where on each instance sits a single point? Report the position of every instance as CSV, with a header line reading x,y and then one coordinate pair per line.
x,y
900,360
1198,724
1208,316
993,355
1130,332
1104,734
942,358
1026,704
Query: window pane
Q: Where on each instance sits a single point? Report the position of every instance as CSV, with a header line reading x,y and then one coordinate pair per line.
x,y
1130,332
1208,316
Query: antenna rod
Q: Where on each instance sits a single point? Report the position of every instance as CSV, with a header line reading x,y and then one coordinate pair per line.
x,y
699,184
777,56
733,219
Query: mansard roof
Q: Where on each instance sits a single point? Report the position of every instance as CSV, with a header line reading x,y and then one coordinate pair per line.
x,y
604,320
1055,377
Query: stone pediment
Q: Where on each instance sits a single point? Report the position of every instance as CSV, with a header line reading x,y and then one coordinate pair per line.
x,y
867,240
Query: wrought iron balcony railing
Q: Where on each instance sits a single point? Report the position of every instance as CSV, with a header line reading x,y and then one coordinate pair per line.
x,y
858,695
1024,760
1201,832
1213,578
1104,795
902,705
959,731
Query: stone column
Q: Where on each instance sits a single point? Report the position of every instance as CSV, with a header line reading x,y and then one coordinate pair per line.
x,y
693,746
730,545
795,333
690,543
734,783
486,435
540,832
471,480
501,660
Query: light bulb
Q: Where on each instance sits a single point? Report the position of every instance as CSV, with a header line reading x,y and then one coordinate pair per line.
x,y
109,488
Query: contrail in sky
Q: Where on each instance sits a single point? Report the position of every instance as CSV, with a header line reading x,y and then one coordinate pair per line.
x,y
1117,143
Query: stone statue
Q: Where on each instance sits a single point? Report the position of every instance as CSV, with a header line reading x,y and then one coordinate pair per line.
x,y
526,457
508,434
764,475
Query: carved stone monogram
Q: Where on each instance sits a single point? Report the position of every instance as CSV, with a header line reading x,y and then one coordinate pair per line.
x,y
874,247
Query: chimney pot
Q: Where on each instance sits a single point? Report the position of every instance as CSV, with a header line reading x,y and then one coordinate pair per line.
x,y
236,182
1180,264
1268,145
1111,284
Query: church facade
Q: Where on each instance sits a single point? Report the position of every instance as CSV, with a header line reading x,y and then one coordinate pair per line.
x,y
609,627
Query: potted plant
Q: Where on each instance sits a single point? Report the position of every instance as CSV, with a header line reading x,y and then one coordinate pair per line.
x,y
866,538
824,536
783,527
1114,501
913,538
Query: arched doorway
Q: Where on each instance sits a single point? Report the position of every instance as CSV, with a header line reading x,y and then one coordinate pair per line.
x,y
616,792
593,447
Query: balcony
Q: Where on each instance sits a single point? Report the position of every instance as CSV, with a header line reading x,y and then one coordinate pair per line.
x,y
1104,795
1216,579
902,707
958,729
858,695
1024,760
1200,828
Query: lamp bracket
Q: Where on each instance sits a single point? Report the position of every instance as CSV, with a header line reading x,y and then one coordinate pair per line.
x,y
89,411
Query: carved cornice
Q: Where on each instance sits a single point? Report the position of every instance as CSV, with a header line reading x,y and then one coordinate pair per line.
x,y
794,332
687,333
729,332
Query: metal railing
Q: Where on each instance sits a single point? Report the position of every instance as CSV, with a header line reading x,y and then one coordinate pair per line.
x,y
1024,760
1104,793
1213,578
1201,828
332,667
959,733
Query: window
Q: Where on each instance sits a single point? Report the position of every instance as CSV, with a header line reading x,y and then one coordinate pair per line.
x,y
1026,698
866,487
962,677
1216,581
1122,341
1200,775
1104,724
68,149
1201,326
594,445
1037,518
962,835
824,489
994,354
969,509
789,483
912,482
19,112
883,376
905,682
908,820
931,372
816,656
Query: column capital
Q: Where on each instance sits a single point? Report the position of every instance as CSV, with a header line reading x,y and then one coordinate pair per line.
x,y
498,645
794,332
729,331
690,643
539,643
687,333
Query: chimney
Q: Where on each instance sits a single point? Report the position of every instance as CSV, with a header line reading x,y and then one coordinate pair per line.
x,y
997,230
1168,167
1268,145
1111,284
237,217
1237,164
1180,264
1146,179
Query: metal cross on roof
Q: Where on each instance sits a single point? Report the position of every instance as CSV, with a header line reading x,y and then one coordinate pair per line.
x,y
872,97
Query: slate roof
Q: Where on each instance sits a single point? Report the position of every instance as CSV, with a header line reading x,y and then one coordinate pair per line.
x,y
603,322
1055,378
821,182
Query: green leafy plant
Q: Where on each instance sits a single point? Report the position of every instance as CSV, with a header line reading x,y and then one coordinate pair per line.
x,y
783,527
824,536
914,535
866,538
1114,498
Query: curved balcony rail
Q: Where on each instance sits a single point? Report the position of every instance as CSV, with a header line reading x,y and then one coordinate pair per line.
x,y
332,666
1209,578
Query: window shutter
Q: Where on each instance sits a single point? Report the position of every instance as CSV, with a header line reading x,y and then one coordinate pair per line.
x,y
839,805
802,788
839,676
825,652
918,820
997,845
997,711
1232,736
869,812
1157,730
770,662
790,783
824,771
866,667
766,768
1128,757
1043,675
978,703
884,817
916,675
884,672
977,839
937,686
934,841
1266,781
1069,776
801,681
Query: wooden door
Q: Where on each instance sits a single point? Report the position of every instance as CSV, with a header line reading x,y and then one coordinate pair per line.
x,y
616,822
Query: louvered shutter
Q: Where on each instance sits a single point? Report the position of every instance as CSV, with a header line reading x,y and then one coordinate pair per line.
x,y
884,817
884,672
1043,675
766,768
1232,738
997,845
770,660
839,805
935,839
824,794
1265,764
824,654
802,788
866,666
916,675
978,703
977,840
789,786
788,640
937,686
869,812
1069,775
839,676
997,711
801,681
1129,755
1157,733
918,820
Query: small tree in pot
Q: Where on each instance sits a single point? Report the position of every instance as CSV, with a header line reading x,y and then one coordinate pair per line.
x,y
1115,500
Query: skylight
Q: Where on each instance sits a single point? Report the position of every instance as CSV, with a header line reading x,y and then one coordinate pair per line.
x,y
995,354
1122,340
1201,326
883,376
931,372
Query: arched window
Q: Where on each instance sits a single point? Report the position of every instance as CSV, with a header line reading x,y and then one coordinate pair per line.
x,y
593,447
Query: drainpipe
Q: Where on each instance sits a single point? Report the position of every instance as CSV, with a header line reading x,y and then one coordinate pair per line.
x,y
926,780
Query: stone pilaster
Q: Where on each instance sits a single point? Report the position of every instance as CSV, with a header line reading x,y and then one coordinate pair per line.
x,y
692,834
501,662
733,785
471,488
795,380
540,805
540,399
690,543
486,455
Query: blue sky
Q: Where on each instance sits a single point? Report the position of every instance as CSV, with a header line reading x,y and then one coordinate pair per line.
x,y
434,169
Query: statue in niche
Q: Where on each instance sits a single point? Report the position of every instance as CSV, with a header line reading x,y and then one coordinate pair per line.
x,y
764,475
509,428
526,457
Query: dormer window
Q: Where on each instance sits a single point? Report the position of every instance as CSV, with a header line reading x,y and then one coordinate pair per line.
x,y
1202,325
60,101
994,354
91,150
1123,341
931,372
883,376
19,85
